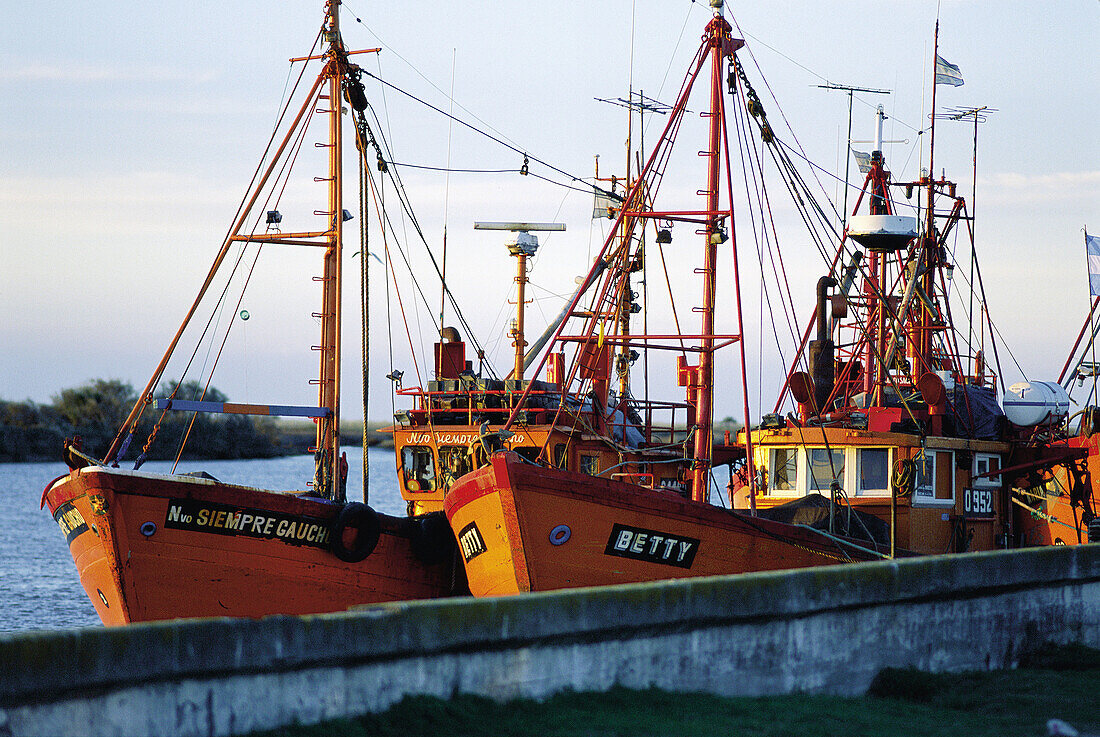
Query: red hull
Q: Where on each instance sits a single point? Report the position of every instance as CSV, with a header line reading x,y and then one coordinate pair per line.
x,y
151,547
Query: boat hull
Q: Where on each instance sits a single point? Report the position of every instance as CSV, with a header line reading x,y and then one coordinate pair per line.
x,y
1056,512
522,527
153,547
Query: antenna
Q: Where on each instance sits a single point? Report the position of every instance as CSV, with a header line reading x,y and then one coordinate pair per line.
x,y
850,89
519,227
978,115
522,247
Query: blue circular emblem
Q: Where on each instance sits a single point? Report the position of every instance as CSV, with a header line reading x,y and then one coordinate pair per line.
x,y
560,535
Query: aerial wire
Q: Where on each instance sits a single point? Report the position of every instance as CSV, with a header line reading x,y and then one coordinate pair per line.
x,y
446,202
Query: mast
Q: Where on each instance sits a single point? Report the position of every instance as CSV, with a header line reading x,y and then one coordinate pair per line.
x,y
327,475
920,338
717,32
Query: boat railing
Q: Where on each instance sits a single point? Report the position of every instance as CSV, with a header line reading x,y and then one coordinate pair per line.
x,y
651,422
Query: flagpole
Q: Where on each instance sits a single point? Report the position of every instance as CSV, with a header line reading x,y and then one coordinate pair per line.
x,y
930,232
1064,378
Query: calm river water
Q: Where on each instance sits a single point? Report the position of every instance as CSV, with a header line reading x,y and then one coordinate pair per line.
x,y
38,582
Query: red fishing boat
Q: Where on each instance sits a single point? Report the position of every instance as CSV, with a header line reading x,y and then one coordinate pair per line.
x,y
893,417
619,490
158,546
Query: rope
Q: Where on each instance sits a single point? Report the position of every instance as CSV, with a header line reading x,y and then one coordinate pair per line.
x,y
364,292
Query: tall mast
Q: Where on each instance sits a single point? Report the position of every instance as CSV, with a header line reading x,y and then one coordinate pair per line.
x,y
717,32
327,477
920,341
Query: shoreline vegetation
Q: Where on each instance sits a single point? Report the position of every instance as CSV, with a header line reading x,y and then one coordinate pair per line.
x,y
33,432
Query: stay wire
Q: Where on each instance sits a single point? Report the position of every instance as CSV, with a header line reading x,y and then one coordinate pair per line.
x,y
496,139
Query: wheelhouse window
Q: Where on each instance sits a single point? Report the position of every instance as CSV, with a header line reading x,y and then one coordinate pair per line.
x,y
934,481
873,472
824,467
985,463
590,464
454,463
783,470
418,468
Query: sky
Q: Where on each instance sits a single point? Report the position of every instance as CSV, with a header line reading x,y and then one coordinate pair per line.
x,y
130,131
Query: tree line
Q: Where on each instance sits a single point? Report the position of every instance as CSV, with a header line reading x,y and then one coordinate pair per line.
x,y
94,412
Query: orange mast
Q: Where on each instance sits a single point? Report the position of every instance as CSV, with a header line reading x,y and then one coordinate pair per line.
x,y
327,476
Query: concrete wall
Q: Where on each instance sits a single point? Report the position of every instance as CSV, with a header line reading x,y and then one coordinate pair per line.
x,y
827,630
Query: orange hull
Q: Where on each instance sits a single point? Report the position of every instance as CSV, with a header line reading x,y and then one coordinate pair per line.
x,y
527,528
150,547
1055,517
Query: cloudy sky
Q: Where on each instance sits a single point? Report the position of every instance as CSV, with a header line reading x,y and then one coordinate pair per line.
x,y
130,131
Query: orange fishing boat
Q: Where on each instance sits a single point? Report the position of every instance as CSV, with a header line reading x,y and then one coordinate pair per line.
x,y
892,418
158,546
1061,508
615,487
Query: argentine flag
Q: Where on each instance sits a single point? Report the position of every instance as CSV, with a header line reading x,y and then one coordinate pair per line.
x,y
1092,248
947,73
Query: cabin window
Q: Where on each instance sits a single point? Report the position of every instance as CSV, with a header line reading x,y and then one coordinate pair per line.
x,y
873,470
418,468
824,466
984,463
590,465
454,463
784,469
945,476
934,483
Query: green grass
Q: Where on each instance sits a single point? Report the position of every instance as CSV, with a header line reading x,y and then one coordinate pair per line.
x,y
1061,683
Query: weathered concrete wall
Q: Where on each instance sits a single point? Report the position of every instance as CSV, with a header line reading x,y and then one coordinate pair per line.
x,y
827,630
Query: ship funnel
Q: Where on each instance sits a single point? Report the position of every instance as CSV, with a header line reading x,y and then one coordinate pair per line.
x,y
821,350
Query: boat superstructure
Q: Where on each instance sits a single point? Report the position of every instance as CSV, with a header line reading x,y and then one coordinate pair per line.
x,y
893,417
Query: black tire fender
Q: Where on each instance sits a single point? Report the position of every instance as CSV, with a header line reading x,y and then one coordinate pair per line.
x,y
432,540
363,519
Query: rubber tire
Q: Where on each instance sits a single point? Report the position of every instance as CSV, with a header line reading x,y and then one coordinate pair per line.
x,y
365,520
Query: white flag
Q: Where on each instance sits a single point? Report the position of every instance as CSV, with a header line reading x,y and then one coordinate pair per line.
x,y
863,160
1092,250
947,73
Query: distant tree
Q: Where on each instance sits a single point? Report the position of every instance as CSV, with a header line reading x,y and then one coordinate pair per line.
x,y
95,412
100,406
211,435
30,431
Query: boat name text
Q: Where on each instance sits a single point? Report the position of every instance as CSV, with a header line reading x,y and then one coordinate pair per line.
x,y
455,438
71,521
471,542
652,546
222,519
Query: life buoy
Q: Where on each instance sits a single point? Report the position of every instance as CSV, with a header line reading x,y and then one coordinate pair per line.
x,y
365,521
